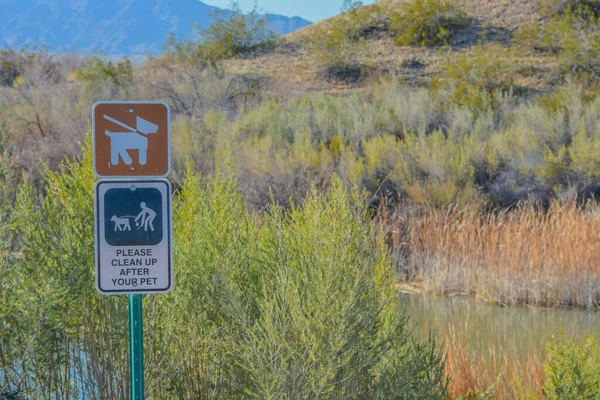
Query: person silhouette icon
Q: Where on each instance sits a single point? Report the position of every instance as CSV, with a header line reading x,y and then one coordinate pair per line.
x,y
146,217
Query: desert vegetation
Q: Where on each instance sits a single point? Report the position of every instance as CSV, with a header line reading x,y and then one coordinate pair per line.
x,y
269,307
570,31
569,371
299,212
428,22
492,151
472,146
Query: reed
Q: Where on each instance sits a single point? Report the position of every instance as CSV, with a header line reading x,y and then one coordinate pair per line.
x,y
525,255
480,371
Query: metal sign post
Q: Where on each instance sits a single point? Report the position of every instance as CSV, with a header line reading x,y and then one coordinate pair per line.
x,y
136,348
133,217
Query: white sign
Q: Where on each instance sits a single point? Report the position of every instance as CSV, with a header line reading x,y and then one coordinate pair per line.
x,y
133,236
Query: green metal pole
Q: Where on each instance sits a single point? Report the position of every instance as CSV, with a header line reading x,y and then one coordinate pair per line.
x,y
136,348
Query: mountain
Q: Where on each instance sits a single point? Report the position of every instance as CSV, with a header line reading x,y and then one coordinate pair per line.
x,y
117,27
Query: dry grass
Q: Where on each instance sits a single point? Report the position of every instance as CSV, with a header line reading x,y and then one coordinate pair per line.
x,y
521,256
487,373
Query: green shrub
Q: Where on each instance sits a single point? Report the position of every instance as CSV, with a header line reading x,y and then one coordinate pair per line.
x,y
336,45
328,325
6,196
57,330
477,79
11,65
14,62
572,371
185,52
583,155
235,33
113,79
580,47
541,38
216,284
6,341
552,8
231,33
427,22
98,70
572,32
336,50
439,170
362,21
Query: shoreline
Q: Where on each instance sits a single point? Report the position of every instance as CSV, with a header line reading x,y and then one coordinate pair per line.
x,y
415,288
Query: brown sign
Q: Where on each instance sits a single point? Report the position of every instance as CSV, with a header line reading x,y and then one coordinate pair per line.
x,y
131,139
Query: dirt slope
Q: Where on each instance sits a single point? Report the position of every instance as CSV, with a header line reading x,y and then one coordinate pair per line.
x,y
290,67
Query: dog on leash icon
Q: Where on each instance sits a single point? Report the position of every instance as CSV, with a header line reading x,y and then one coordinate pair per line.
x,y
133,218
135,139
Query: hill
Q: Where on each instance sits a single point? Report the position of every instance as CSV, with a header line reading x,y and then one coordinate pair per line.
x,y
132,27
490,22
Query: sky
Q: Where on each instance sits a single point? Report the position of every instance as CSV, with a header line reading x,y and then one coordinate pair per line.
x,y
312,10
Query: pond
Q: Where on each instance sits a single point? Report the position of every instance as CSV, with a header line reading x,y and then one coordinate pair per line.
x,y
511,332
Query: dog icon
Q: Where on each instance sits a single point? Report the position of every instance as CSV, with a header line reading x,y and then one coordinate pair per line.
x,y
120,142
135,139
121,223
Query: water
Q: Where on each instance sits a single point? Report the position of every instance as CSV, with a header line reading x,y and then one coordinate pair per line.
x,y
513,332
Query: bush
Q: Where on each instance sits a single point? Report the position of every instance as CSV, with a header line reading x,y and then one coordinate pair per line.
x,y
336,49
552,8
12,63
231,33
6,197
52,319
362,21
328,325
439,170
283,305
580,47
97,70
477,79
572,371
184,52
235,33
572,32
336,45
5,248
427,22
